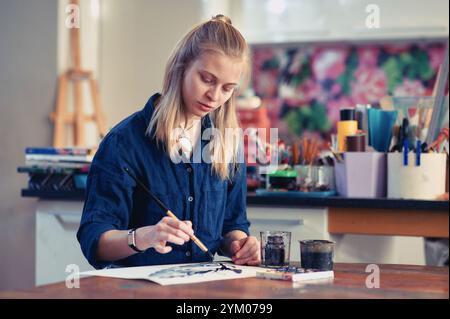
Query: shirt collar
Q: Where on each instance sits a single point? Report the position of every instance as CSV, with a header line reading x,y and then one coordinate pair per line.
x,y
150,107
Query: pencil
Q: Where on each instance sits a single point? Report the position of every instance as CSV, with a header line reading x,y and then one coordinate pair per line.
x,y
169,213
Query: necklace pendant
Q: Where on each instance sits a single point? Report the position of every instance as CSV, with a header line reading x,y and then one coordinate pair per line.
x,y
186,144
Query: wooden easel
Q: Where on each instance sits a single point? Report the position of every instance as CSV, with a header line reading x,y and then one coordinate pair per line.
x,y
78,119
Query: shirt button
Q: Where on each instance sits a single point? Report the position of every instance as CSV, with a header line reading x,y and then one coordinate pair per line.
x,y
188,253
190,198
189,170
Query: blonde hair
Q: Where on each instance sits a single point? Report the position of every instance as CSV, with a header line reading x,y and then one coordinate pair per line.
x,y
218,35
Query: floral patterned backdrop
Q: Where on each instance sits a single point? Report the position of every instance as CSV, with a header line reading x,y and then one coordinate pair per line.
x,y
303,88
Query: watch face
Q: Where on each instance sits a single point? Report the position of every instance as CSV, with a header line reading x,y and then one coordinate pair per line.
x,y
131,238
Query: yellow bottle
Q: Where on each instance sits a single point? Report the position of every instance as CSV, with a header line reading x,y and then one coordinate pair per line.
x,y
346,126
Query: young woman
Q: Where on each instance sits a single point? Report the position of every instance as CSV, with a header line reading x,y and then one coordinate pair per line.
x,y
121,224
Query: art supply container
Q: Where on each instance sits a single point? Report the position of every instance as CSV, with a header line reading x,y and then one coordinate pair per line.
x,y
356,143
315,178
324,179
361,174
282,179
362,119
304,180
425,181
415,108
317,254
275,248
381,124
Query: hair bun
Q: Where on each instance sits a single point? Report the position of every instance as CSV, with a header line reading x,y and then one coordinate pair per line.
x,y
221,17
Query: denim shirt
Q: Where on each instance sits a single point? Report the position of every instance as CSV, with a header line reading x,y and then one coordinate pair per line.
x,y
190,190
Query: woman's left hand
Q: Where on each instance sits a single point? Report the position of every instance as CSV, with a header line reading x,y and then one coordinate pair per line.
x,y
246,251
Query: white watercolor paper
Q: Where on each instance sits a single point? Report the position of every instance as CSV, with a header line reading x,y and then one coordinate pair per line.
x,y
179,273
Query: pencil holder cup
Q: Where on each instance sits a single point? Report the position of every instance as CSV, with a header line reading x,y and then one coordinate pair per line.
x,y
361,174
411,181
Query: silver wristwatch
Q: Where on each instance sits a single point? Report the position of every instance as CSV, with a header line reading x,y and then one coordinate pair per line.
x,y
132,240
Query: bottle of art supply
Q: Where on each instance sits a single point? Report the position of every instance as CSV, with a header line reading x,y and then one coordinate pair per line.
x,y
356,143
346,126
363,119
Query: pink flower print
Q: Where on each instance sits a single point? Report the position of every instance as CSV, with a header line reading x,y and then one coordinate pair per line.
x,y
336,88
368,56
436,55
266,84
273,106
329,64
309,90
370,85
262,55
410,88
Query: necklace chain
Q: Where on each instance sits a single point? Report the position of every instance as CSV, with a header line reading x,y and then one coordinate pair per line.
x,y
187,129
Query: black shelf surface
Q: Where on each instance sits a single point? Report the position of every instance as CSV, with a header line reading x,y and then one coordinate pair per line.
x,y
280,201
54,195
342,202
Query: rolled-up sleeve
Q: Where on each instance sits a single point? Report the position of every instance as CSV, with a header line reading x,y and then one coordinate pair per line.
x,y
236,207
108,200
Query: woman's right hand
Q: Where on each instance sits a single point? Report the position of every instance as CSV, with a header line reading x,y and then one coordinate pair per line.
x,y
167,230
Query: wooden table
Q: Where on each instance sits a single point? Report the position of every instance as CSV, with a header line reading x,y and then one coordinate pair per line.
x,y
396,281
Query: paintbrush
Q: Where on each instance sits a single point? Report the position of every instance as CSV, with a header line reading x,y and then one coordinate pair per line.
x,y
314,151
295,153
336,156
169,213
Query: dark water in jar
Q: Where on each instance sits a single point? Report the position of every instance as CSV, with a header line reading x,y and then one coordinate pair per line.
x,y
274,256
317,260
274,251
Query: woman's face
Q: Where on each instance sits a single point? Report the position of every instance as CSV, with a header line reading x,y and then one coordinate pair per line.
x,y
209,82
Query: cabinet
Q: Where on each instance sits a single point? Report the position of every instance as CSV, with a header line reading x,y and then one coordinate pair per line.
x,y
57,223
303,223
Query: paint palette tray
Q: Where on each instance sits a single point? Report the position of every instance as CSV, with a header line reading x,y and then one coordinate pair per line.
x,y
294,274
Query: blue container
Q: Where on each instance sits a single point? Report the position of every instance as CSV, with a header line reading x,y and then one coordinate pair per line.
x,y
380,125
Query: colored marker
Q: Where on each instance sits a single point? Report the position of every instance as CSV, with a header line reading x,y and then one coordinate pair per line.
x,y
418,152
405,152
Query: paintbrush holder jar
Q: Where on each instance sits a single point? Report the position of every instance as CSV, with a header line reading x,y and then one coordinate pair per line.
x,y
275,248
317,254
425,181
313,178
361,175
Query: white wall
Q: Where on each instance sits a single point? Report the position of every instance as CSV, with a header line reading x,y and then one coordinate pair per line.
x,y
28,74
137,37
264,21
133,44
